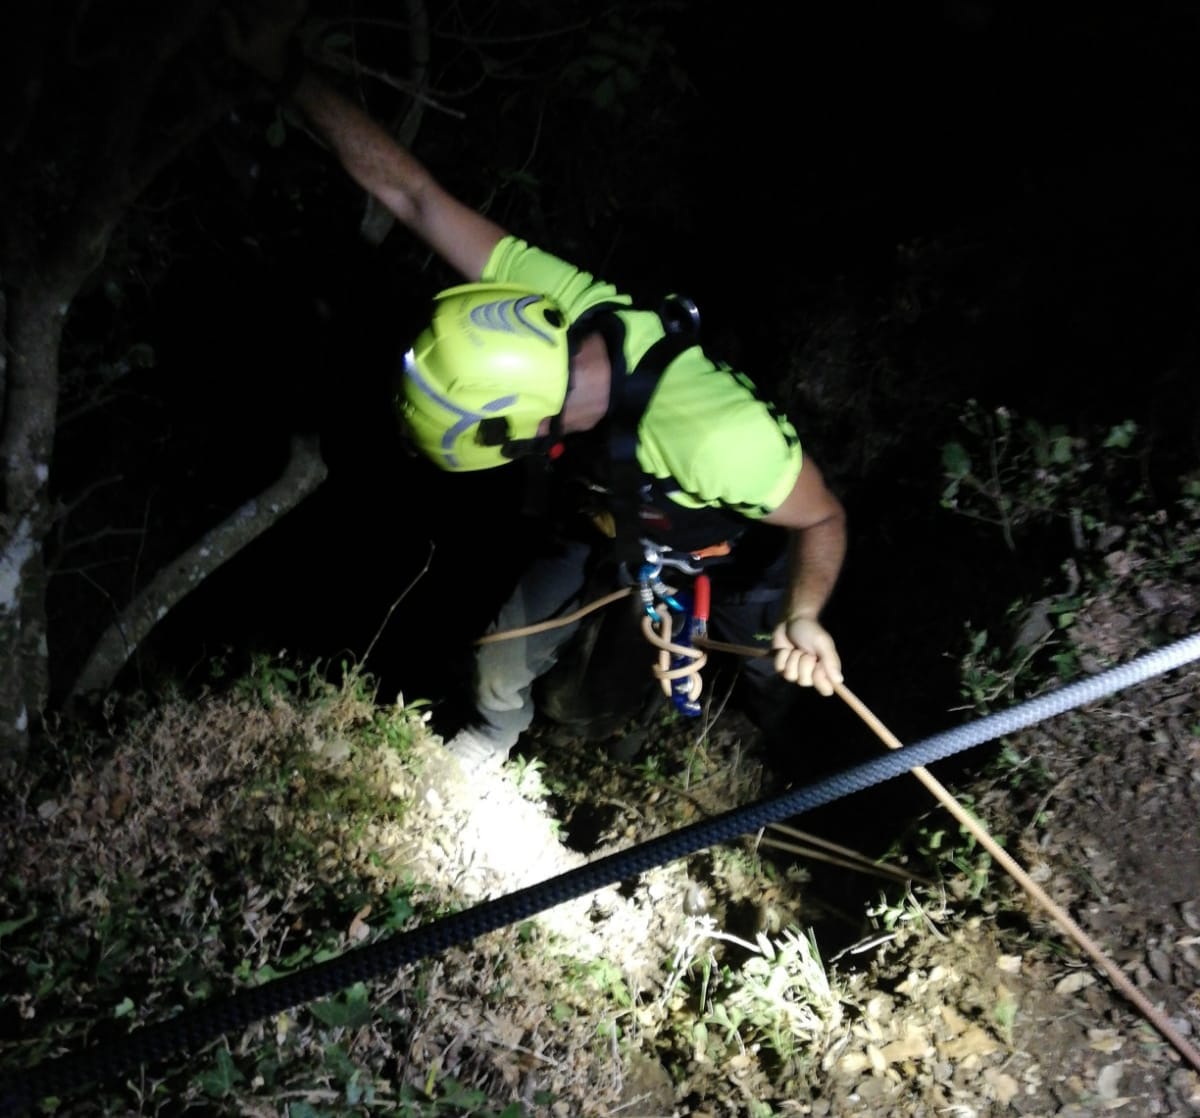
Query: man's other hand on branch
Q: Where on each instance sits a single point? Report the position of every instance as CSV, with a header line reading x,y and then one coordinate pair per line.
x,y
257,35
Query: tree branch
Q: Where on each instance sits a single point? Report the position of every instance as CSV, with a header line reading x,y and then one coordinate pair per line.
x,y
305,471
377,221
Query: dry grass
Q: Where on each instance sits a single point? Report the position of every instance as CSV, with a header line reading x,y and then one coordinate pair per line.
x,y
223,840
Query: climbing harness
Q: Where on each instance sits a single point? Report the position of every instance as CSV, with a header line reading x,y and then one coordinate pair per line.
x,y
685,539
199,1025
641,504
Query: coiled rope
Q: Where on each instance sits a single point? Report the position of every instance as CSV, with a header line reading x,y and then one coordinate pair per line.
x,y
195,1027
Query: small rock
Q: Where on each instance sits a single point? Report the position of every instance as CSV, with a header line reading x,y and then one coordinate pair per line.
x,y
1181,1025
648,1088
1108,1081
1190,911
1151,597
1186,1083
1160,964
873,1091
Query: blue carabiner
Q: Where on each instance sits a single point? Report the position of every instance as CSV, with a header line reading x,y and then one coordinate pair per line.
x,y
651,588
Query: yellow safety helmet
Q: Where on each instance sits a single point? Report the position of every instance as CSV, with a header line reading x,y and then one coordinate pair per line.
x,y
493,362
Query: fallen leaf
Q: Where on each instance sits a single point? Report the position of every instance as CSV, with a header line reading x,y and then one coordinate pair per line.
x,y
1108,1080
854,1062
913,1046
974,1042
1073,983
1003,1086
954,1020
359,929
1105,1040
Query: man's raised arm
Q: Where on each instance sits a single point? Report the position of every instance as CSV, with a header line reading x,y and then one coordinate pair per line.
x,y
460,235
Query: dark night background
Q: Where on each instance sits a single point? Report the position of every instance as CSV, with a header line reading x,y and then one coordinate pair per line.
x,y
881,211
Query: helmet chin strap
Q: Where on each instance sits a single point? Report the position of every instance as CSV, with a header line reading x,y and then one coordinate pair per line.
x,y
549,444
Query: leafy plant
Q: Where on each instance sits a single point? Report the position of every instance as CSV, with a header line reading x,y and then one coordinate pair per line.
x,y
781,995
961,850
219,1081
1004,1014
1015,770
778,997
1012,472
269,679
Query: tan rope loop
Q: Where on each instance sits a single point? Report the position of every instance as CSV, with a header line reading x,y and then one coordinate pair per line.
x,y
556,622
663,671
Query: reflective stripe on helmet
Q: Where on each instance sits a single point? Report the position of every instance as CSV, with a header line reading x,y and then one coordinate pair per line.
x,y
466,419
499,315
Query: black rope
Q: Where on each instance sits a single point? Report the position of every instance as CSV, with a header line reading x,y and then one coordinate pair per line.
x,y
198,1026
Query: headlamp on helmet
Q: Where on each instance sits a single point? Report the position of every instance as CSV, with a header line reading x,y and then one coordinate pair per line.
x,y
480,378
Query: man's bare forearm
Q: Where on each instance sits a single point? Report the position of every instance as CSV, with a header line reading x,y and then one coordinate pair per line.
x,y
461,236
815,556
369,155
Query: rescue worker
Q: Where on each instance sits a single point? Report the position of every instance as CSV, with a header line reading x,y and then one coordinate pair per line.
x,y
533,354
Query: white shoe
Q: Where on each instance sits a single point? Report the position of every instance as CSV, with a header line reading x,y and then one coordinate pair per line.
x,y
475,751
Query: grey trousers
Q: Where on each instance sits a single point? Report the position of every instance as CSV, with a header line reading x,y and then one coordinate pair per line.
x,y
505,671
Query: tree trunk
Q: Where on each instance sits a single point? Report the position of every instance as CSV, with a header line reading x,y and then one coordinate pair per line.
x,y
64,185
304,472
31,331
